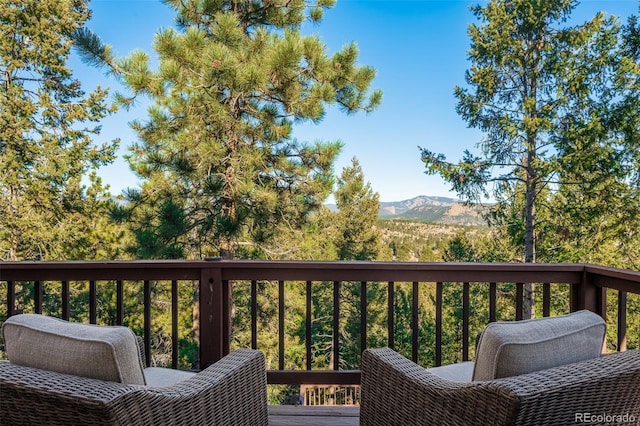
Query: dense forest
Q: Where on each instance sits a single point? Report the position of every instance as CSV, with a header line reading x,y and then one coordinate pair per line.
x,y
222,176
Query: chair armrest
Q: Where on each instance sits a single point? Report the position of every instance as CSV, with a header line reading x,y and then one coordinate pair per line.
x,y
396,391
608,384
30,395
232,391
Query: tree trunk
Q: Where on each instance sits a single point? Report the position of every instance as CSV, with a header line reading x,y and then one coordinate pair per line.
x,y
16,231
529,239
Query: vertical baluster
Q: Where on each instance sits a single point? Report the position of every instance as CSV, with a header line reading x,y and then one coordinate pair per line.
x,y
174,324
363,316
622,321
391,296
308,333
37,296
281,325
492,302
438,324
11,298
119,303
92,303
414,322
227,303
465,322
546,299
519,301
147,320
254,314
65,300
336,325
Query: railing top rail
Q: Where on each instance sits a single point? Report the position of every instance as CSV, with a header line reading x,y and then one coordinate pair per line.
x,y
321,270
100,270
292,270
293,263
613,272
401,271
619,279
296,264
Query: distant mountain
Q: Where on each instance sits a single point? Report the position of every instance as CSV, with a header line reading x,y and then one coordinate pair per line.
x,y
424,208
395,208
432,209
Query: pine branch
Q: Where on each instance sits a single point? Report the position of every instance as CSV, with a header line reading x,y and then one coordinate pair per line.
x,y
92,50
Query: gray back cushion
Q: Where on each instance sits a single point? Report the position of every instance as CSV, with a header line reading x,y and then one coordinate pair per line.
x,y
98,352
519,347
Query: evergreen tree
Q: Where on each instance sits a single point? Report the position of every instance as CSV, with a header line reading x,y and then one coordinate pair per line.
x,y
46,128
538,88
231,82
595,208
358,209
314,240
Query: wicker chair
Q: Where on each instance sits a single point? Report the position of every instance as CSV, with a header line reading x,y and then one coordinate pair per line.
x,y
396,391
230,392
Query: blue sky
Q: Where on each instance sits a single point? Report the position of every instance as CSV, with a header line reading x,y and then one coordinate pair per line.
x,y
418,48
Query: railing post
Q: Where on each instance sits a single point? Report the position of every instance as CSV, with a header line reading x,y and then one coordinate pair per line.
x,y
587,295
214,301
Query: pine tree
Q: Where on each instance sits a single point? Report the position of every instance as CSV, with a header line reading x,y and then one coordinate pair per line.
x,y
595,208
232,81
555,109
47,126
358,207
357,238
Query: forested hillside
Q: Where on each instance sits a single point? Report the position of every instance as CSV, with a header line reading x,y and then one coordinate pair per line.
x,y
423,241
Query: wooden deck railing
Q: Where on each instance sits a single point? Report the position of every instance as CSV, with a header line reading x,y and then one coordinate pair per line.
x,y
216,281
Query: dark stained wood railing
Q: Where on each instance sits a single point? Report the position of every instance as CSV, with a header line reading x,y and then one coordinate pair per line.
x,y
216,279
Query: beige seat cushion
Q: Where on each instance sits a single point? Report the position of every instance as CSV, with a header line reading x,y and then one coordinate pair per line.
x,y
158,376
459,372
98,352
519,347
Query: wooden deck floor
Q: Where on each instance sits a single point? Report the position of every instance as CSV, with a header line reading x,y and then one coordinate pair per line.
x,y
291,415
